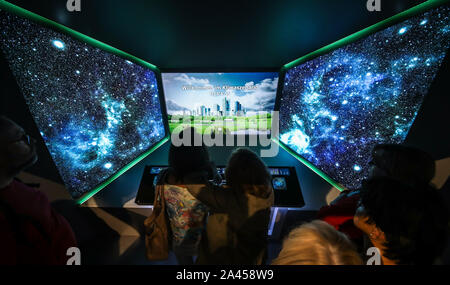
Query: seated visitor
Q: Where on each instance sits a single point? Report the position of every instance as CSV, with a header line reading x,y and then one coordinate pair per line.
x,y
317,243
31,232
186,213
408,226
236,232
407,164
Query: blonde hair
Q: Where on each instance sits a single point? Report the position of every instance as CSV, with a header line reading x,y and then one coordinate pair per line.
x,y
317,243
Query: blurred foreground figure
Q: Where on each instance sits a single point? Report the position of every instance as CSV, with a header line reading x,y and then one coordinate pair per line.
x,y
317,243
409,165
408,225
31,232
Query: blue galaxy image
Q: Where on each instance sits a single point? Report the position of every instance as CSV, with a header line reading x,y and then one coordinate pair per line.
x,y
335,108
96,111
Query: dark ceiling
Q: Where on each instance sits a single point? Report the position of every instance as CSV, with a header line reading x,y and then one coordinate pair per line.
x,y
217,34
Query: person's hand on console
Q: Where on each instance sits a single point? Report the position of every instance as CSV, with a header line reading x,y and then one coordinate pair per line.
x,y
213,175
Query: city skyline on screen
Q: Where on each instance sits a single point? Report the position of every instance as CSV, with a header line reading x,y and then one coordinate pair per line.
x,y
216,94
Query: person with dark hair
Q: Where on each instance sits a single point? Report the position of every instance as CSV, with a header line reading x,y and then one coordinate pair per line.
x,y
186,213
407,164
236,232
408,225
31,232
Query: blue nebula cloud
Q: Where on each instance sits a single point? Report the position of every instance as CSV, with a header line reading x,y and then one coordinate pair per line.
x,y
95,111
335,108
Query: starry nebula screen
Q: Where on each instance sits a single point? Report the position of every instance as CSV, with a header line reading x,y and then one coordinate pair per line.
x,y
335,108
96,111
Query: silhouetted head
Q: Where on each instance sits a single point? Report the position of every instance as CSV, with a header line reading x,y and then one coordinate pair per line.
x,y
407,164
245,169
411,223
187,159
17,149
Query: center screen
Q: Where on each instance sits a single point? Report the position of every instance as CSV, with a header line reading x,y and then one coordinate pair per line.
x,y
230,103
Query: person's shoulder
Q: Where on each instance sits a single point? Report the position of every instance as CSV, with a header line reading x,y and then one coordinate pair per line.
x,y
258,192
22,190
27,200
175,188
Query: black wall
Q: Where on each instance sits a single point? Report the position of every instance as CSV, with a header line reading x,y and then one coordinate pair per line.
x,y
431,129
217,33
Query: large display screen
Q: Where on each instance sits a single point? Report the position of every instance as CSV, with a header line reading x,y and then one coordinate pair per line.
x,y
336,107
97,112
232,103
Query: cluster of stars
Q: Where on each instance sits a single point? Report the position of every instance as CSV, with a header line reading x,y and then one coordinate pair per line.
x,y
335,108
95,111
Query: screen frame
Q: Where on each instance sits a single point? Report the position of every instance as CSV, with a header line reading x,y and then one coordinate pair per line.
x,y
49,24
398,18
225,70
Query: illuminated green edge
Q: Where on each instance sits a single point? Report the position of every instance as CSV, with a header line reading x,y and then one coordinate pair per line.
x,y
310,166
367,31
77,35
87,196
93,42
345,41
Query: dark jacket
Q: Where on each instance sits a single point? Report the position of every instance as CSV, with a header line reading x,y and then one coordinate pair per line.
x,y
236,231
31,232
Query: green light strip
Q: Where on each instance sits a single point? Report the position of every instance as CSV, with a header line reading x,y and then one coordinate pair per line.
x,y
87,196
310,166
367,31
77,35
